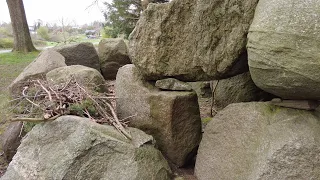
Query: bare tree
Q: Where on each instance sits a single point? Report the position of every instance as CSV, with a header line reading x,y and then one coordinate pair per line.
x,y
21,34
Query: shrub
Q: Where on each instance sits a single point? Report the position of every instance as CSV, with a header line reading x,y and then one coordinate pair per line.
x,y
43,32
6,43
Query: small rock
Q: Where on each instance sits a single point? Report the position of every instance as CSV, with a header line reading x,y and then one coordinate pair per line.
x,y
173,85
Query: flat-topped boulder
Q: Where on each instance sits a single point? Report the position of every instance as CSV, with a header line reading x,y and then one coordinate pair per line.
x,y
284,48
171,117
80,54
192,40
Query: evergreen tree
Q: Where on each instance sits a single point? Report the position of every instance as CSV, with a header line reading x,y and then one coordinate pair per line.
x,y
122,16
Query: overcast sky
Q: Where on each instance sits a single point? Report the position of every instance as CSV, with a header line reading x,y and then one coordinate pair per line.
x,y
52,10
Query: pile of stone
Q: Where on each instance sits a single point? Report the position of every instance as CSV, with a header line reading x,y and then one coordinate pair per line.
x,y
253,50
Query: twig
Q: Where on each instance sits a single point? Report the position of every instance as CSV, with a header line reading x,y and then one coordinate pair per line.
x,y
46,90
35,119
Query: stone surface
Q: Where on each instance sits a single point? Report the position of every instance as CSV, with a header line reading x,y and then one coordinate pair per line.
x,y
173,85
249,141
237,89
80,54
113,54
84,75
192,40
283,47
202,88
45,62
77,148
11,139
171,117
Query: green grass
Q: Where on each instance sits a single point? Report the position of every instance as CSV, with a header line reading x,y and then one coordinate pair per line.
x,y
11,65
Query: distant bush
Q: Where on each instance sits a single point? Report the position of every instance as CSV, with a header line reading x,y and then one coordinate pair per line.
x,y
43,32
39,43
6,43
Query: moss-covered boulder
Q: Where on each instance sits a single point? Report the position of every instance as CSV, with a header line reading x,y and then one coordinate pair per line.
x,y
83,75
192,40
284,48
77,148
171,117
249,141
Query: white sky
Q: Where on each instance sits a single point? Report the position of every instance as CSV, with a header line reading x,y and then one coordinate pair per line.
x,y
52,10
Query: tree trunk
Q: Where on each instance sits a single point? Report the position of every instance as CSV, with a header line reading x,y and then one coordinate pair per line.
x,y
21,34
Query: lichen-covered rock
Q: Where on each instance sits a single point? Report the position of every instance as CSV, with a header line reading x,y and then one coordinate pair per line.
x,y
76,148
250,141
173,85
113,54
284,48
84,75
192,40
171,117
45,62
237,89
80,54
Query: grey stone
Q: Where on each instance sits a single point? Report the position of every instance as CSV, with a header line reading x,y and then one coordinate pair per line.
x,y
250,141
283,48
76,148
113,54
237,89
86,76
172,84
45,62
202,88
171,117
11,139
192,40
80,54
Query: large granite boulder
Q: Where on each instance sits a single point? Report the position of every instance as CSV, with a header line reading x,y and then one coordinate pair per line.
x,y
84,75
249,141
192,40
171,117
284,48
45,62
80,54
237,89
113,54
76,148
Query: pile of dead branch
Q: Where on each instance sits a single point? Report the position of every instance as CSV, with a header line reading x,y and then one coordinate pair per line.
x,y
44,101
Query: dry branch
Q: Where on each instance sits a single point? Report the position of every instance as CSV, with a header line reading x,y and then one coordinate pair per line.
x,y
41,101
